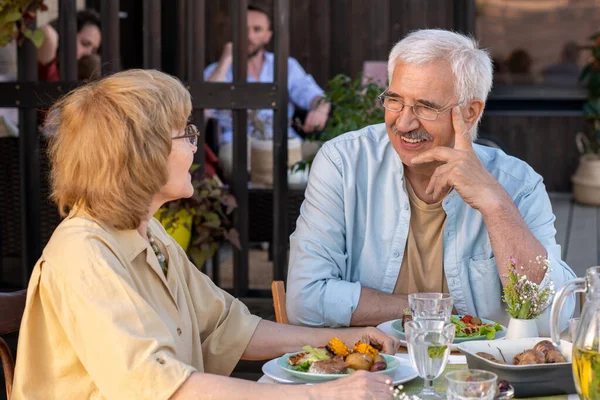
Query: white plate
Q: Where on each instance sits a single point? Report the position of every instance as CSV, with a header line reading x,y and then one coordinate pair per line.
x,y
392,364
404,373
386,327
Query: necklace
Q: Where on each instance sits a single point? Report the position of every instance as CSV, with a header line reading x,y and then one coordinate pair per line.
x,y
162,260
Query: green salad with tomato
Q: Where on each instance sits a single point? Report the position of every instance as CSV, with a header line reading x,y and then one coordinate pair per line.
x,y
471,327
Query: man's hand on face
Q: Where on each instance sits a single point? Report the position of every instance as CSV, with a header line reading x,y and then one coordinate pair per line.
x,y
461,169
227,54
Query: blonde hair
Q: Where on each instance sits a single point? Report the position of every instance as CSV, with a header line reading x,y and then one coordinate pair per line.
x,y
110,142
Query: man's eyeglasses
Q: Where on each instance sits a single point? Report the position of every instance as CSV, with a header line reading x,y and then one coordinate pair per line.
x,y
421,111
191,134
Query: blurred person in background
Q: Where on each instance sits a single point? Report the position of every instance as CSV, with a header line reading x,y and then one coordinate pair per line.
x,y
89,38
304,92
564,73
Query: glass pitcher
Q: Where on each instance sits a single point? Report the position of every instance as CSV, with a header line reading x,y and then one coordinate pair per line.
x,y
586,347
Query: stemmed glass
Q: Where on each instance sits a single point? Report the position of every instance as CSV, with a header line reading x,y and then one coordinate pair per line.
x,y
430,306
428,343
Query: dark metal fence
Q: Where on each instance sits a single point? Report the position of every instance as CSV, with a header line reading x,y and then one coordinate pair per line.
x,y
29,95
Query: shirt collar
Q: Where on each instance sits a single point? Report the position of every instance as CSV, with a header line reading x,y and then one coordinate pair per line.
x,y
129,240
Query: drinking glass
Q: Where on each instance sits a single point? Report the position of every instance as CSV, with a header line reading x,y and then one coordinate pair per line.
x,y
471,384
430,306
428,343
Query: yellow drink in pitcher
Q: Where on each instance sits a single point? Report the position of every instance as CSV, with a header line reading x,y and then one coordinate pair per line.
x,y
586,371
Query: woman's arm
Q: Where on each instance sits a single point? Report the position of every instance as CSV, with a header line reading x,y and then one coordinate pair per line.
x,y
49,47
272,339
360,385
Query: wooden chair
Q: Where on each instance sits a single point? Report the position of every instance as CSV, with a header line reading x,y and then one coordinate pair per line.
x,y
278,290
12,305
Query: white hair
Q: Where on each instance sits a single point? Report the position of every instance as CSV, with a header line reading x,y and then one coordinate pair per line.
x,y
471,66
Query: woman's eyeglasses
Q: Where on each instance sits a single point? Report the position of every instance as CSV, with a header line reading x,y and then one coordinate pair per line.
x,y
191,134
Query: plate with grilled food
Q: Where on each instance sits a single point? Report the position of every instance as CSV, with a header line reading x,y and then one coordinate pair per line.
x,y
467,328
333,361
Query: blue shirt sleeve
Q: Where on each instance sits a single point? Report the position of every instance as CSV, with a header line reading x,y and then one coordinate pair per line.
x,y
209,70
536,209
319,293
302,87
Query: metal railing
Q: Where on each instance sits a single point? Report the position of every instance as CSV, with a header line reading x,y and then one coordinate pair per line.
x,y
29,95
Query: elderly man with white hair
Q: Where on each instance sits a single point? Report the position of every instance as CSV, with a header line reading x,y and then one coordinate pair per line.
x,y
413,205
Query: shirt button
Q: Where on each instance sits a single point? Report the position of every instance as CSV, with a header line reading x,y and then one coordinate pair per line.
x,y
396,254
160,361
406,206
179,331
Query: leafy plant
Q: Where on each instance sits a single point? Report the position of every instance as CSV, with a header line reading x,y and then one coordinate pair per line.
x,y
526,299
16,19
354,105
211,207
591,75
260,128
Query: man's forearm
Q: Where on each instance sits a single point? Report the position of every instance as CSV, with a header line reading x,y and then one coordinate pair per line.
x,y
375,307
511,237
218,75
320,103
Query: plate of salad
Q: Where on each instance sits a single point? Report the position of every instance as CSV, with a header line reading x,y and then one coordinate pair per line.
x,y
467,328
336,360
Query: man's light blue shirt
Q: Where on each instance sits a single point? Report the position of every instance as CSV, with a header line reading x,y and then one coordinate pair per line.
x,y
301,86
354,223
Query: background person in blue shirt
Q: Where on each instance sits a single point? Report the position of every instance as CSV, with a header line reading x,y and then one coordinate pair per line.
x,y
303,90
412,205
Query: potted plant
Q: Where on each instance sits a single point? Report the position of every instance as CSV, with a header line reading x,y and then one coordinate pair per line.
x,y
16,18
525,299
354,105
261,148
200,223
586,181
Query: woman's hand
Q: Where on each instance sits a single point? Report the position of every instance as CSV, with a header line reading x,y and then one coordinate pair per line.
x,y
360,385
373,336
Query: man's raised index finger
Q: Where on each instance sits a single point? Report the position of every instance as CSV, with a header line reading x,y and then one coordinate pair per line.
x,y
462,139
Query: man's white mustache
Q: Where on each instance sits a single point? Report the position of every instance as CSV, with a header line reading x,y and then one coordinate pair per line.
x,y
418,135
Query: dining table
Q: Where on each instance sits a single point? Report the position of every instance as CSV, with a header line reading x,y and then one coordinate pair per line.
x,y
456,361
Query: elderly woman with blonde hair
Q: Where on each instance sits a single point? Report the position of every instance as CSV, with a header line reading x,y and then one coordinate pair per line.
x,y
114,308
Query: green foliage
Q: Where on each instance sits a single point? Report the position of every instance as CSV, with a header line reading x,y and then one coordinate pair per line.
x,y
591,75
524,298
16,18
211,206
354,105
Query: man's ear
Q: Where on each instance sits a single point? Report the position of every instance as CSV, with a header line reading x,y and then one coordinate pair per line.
x,y
472,112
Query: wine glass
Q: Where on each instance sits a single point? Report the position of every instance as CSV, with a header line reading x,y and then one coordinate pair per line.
x,y
430,306
428,343
471,384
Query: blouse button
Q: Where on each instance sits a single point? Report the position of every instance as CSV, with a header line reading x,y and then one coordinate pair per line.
x,y
179,331
160,361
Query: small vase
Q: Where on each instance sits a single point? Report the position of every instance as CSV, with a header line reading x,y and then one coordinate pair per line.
x,y
521,328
